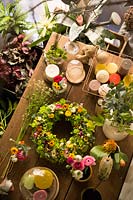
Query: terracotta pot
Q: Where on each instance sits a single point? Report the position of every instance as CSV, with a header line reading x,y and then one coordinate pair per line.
x,y
90,194
112,132
87,176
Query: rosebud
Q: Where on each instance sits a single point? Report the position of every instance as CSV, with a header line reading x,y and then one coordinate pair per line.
x,y
79,20
122,163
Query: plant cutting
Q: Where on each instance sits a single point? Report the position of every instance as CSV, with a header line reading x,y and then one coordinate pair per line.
x,y
118,111
111,150
55,55
80,167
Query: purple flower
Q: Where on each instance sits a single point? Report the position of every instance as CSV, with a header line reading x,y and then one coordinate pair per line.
x,y
89,160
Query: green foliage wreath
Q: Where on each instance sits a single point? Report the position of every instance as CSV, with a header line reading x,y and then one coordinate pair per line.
x,y
48,144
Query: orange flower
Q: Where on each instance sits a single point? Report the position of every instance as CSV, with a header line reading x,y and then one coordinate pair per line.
x,y
21,142
14,150
110,146
65,106
80,109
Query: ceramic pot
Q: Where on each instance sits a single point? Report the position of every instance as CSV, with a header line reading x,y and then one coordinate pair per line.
x,y
112,132
90,194
87,176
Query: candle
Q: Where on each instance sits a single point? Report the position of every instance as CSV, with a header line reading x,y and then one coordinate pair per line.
x,y
112,68
125,66
51,71
114,78
102,76
94,85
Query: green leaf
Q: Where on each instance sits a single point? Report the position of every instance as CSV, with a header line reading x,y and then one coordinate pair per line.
x,y
117,157
75,30
123,156
98,152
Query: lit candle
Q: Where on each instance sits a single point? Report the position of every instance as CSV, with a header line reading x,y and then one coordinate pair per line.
x,y
51,71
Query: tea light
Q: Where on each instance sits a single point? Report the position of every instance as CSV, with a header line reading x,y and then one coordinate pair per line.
x,y
102,76
51,71
112,68
94,85
114,78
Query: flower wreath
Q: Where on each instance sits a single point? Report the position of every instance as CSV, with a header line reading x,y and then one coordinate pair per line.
x,y
48,144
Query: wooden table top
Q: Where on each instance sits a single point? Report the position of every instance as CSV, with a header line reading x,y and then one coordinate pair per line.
x,y
68,187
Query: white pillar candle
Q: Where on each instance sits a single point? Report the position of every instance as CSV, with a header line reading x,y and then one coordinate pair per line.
x,y
51,71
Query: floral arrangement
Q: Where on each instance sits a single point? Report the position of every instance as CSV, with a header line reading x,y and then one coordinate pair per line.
x,y
110,149
80,166
48,144
19,152
59,84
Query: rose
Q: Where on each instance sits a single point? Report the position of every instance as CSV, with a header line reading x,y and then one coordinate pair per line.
x,y
78,165
57,79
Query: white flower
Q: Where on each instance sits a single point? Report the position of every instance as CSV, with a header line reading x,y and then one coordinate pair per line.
x,y
14,158
111,111
131,111
77,174
131,126
39,118
73,110
52,107
78,158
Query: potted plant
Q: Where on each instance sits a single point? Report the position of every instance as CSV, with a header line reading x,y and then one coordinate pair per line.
x,y
80,167
55,55
118,112
12,20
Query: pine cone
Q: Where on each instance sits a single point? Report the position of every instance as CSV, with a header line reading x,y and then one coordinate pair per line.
x,y
128,18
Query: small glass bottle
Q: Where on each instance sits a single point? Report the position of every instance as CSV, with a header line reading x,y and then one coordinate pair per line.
x,y
98,107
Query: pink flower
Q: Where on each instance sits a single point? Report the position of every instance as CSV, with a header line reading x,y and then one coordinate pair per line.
x,y
79,20
58,106
70,160
89,160
78,165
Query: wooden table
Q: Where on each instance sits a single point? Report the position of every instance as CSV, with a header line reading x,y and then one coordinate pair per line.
x,y
69,188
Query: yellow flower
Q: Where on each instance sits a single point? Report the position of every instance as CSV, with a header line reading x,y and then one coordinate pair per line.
x,y
71,155
55,84
110,146
51,143
68,113
14,150
58,87
69,145
51,115
89,123
48,133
